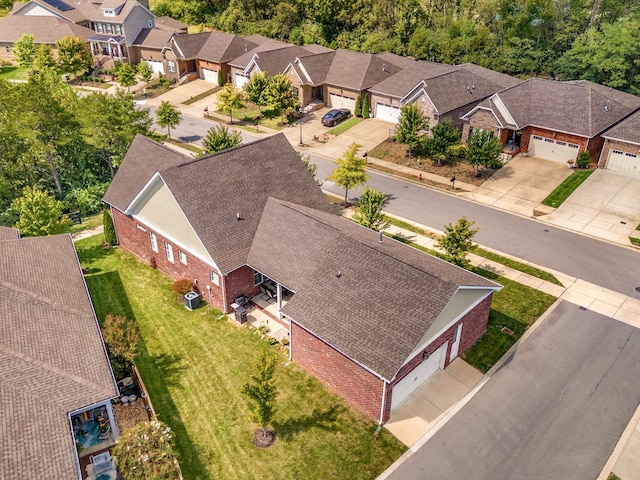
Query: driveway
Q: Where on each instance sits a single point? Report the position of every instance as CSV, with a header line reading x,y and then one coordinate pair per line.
x,y
606,205
556,409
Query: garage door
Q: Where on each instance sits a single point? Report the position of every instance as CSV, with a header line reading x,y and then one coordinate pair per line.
x,y
210,75
387,113
418,376
240,80
552,149
340,101
624,162
158,67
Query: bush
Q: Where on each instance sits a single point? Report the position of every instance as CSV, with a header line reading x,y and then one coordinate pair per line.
x,y
86,200
109,230
583,160
457,151
182,286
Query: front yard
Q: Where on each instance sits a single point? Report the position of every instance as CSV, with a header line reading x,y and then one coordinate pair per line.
x,y
194,364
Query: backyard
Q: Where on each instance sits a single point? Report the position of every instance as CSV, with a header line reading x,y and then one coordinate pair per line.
x,y
194,364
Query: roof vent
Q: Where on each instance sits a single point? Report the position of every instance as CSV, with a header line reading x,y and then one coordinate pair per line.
x,y
380,236
384,67
238,217
246,49
606,106
339,274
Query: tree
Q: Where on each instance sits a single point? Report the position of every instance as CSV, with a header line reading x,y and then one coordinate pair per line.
x,y
369,212
261,393
456,242
109,229
220,138
255,88
483,149
145,72
43,58
126,76
230,99
168,116
358,108
40,214
411,127
121,337
220,78
145,452
24,49
350,172
312,168
73,55
280,94
366,110
443,136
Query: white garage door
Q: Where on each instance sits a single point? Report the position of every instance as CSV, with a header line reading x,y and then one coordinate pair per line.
x,y
158,67
552,149
387,113
418,376
624,162
240,80
339,101
210,75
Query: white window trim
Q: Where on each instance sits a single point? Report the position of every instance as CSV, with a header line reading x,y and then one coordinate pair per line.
x,y
168,248
154,241
182,256
214,277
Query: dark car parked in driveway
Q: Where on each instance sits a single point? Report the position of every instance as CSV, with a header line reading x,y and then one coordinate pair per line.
x,y
335,116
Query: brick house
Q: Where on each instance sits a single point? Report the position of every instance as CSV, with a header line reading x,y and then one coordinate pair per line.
x,y
553,120
55,375
621,150
441,91
371,319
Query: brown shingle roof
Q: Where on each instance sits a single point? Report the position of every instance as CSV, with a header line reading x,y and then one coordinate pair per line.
x,y
171,24
387,295
275,61
7,233
52,358
44,29
358,71
153,37
223,47
401,83
243,59
628,130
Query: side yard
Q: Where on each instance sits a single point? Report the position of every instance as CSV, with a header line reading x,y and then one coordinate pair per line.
x,y
194,364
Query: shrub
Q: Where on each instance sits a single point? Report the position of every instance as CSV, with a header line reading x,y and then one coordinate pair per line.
x,y
358,109
365,106
182,286
457,151
583,160
109,230
86,200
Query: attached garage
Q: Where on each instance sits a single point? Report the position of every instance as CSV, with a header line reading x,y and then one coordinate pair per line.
x,y
209,75
403,389
340,101
624,162
388,113
552,149
156,65
240,80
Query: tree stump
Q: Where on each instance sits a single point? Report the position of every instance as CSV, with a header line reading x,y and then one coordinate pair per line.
x,y
263,438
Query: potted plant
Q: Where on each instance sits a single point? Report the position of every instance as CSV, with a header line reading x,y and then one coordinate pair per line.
x,y
570,162
524,152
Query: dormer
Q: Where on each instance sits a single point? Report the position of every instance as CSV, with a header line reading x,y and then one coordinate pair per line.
x,y
111,8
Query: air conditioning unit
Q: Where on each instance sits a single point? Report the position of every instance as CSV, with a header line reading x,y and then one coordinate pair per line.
x,y
192,300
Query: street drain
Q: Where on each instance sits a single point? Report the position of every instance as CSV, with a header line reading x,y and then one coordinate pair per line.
x,y
583,308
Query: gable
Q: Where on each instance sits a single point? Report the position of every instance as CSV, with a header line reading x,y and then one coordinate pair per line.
x,y
36,10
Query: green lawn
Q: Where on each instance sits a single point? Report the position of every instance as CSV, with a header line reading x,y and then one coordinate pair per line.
x,y
344,126
14,73
566,188
87,223
268,117
194,364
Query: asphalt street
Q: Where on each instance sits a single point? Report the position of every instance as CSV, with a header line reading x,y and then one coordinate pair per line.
x,y
555,410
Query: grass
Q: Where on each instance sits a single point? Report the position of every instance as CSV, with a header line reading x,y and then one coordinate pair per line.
x,y
344,126
566,188
14,73
187,146
202,95
194,364
613,476
251,113
87,223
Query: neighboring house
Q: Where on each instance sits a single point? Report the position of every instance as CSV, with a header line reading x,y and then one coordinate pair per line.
x,y
237,66
156,47
372,318
7,233
621,150
171,25
553,120
441,91
55,376
115,23
273,62
339,77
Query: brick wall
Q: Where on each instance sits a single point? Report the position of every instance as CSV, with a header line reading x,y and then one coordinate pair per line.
x,y
615,145
483,119
356,385
238,283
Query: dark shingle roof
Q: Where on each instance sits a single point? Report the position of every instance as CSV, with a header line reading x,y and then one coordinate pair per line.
x,y
144,158
171,24
243,59
44,29
385,299
275,61
628,130
153,37
401,83
223,47
7,233
52,358
358,71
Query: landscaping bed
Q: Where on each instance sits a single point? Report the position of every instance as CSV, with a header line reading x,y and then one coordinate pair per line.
x,y
193,364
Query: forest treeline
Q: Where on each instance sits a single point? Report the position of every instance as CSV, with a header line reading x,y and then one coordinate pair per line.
x,y
597,40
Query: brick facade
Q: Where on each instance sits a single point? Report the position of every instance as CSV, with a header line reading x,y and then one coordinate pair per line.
x,y
563,137
615,145
482,119
224,68
328,90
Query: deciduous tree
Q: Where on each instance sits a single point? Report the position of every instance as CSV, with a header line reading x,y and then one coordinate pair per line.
x,y
350,172
24,49
456,241
412,126
126,76
369,212
261,393
255,88
40,214
168,116
43,58
312,168
443,136
220,138
280,94
144,71
483,149
73,55
230,99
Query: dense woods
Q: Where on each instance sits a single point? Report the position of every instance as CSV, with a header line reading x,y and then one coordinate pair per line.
x,y
565,39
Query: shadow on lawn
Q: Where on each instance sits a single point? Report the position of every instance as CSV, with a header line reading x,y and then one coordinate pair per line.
x,y
322,419
108,294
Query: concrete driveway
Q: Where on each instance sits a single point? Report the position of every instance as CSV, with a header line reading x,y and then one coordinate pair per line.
x,y
606,205
555,409
521,184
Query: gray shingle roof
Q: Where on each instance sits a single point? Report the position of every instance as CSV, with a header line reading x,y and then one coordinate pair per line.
x,y
171,24
7,233
275,61
357,70
52,359
153,37
223,47
386,298
628,130
317,66
244,58
44,29
583,108
401,83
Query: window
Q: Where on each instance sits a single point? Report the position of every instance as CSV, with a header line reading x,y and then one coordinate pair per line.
x,y
455,335
564,144
182,256
573,145
154,241
215,278
100,27
632,155
108,28
549,140
172,66
258,278
169,249
536,137
117,29
617,152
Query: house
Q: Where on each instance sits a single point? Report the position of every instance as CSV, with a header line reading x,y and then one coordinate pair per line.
x,y
441,91
621,150
115,23
553,120
7,233
237,66
55,376
154,46
171,25
370,317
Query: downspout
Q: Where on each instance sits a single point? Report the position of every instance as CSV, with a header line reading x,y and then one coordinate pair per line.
x,y
224,294
114,224
384,395
290,340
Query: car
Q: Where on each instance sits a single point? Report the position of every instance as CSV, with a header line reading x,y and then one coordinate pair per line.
x,y
335,116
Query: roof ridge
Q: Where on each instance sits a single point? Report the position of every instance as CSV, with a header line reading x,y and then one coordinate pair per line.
x,y
42,299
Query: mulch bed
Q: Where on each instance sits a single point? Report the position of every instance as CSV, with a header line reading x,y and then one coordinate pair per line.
x,y
263,438
130,415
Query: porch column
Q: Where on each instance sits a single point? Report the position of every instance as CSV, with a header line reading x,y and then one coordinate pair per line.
x,y
279,297
112,421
